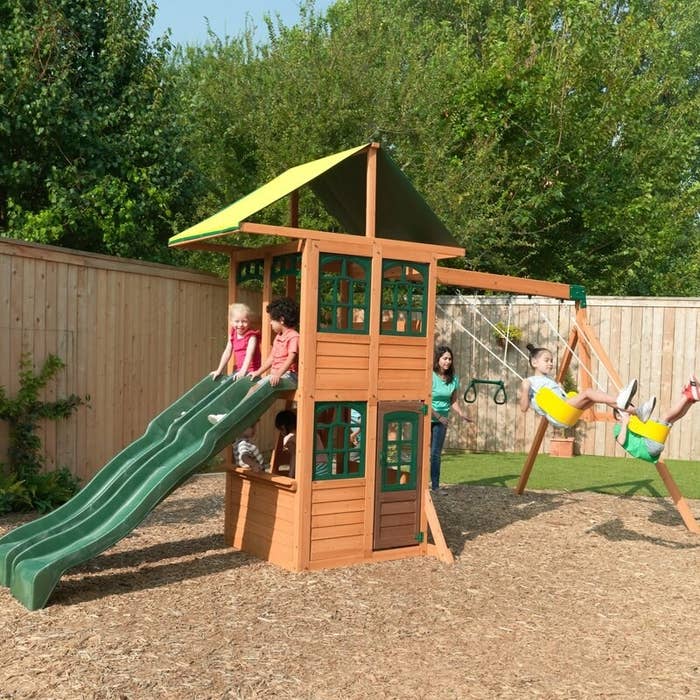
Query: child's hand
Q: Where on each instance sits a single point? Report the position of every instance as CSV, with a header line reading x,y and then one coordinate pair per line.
x,y
216,373
274,379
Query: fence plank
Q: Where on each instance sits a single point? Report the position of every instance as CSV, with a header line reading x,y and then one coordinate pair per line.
x,y
133,335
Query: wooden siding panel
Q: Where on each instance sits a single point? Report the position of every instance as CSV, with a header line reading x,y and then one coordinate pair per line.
x,y
338,521
336,548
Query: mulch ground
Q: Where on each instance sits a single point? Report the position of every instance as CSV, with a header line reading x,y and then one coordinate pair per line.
x,y
553,595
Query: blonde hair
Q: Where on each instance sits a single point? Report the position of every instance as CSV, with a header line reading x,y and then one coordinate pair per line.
x,y
242,309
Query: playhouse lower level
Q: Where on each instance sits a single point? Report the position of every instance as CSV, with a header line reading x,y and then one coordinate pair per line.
x,y
362,517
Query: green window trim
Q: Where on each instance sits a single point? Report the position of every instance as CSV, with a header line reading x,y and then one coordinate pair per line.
x,y
336,455
250,271
288,265
404,298
344,293
399,455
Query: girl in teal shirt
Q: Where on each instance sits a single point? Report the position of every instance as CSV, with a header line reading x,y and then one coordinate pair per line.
x,y
445,396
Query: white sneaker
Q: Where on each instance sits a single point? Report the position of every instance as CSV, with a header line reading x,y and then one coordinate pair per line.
x,y
624,398
646,409
215,418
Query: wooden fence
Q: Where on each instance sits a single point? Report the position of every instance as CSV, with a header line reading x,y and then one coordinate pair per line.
x,y
136,335
133,335
653,339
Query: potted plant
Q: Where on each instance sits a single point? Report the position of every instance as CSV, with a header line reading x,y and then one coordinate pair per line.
x,y
502,330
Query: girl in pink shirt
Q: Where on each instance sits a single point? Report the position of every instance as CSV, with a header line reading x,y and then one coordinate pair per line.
x,y
243,343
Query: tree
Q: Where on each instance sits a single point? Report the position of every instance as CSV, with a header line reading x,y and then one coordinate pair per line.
x,y
90,153
556,139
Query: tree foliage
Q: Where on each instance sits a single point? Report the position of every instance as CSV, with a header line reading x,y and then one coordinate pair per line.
x,y
89,139
557,139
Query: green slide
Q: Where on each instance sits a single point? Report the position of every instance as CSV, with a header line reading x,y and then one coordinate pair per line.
x,y
34,556
161,429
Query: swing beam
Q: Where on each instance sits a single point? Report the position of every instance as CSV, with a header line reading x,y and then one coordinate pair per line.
x,y
582,332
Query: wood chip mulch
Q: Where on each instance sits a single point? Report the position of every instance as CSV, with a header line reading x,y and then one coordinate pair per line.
x,y
553,595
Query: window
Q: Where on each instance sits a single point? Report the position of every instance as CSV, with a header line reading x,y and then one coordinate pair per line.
x,y
343,294
399,451
286,266
339,450
250,271
404,298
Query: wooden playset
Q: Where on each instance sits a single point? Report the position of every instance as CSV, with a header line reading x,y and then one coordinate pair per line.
x,y
367,298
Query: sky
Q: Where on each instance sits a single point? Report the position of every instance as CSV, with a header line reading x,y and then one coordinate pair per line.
x,y
227,17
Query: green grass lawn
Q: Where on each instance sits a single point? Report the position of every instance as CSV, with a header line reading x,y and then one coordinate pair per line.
x,y
616,475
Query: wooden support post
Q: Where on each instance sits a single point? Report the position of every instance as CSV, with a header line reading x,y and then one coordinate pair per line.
x,y
532,455
566,357
591,338
678,499
371,191
442,551
294,209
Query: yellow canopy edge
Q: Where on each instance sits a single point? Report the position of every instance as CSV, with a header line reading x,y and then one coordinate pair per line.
x,y
229,219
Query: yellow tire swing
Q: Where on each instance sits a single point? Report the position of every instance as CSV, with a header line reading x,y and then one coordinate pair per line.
x,y
562,412
557,408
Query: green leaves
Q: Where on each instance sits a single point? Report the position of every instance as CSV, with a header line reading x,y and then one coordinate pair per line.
x,y
92,157
23,413
555,139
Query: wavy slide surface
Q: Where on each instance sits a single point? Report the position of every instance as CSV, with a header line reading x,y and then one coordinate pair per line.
x,y
34,556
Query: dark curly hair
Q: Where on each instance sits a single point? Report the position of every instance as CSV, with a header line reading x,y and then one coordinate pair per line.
x,y
284,310
286,419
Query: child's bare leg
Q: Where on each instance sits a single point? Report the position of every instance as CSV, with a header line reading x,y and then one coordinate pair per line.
x,y
589,397
678,410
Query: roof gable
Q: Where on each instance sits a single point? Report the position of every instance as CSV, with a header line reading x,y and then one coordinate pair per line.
x,y
340,183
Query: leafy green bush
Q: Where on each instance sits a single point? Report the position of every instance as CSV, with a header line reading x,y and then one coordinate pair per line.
x,y
23,484
13,493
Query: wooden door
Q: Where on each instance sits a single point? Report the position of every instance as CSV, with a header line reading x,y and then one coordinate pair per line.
x,y
397,496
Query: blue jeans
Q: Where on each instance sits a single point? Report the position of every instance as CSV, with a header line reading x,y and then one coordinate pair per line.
x,y
438,431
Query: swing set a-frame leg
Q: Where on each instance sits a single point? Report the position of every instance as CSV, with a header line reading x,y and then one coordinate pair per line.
x,y
681,504
531,456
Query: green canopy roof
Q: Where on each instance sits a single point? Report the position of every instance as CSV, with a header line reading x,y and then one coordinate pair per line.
x,y
339,181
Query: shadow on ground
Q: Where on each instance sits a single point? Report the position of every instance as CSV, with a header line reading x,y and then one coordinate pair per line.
x,y
467,511
142,569
615,530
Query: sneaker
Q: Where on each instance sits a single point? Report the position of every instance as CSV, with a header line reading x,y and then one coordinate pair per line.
x,y
691,390
215,418
646,409
624,398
